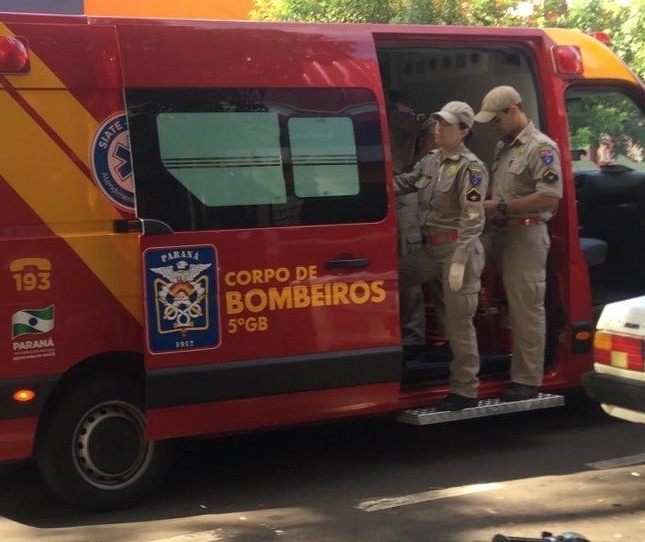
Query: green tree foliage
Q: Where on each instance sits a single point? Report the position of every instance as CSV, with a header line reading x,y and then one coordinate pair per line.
x,y
629,38
325,11
596,115
625,23
492,13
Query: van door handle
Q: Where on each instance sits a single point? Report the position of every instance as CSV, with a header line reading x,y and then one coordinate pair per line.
x,y
147,226
347,263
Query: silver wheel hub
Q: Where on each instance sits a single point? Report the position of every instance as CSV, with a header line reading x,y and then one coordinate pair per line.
x,y
110,448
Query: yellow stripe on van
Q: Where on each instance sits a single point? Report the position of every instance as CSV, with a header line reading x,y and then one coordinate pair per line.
x,y
68,202
60,106
598,60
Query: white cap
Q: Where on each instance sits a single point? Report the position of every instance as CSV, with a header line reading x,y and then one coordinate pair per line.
x,y
456,112
498,99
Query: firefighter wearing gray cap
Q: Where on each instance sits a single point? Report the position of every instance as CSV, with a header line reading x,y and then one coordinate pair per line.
x,y
451,183
404,130
526,190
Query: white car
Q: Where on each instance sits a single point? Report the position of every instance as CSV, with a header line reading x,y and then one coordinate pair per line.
x,y
618,379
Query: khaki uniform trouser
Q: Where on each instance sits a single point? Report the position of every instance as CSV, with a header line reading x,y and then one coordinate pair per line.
x,y
413,316
432,262
522,252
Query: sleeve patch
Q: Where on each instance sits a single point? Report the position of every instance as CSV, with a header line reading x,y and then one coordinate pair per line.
x,y
547,155
475,177
550,176
474,195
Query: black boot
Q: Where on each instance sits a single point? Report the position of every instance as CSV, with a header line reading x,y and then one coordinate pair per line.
x,y
454,401
519,392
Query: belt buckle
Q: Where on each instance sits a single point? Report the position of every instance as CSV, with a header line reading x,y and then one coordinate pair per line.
x,y
526,221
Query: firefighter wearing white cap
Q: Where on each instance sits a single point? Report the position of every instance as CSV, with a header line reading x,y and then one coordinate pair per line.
x,y
451,183
526,190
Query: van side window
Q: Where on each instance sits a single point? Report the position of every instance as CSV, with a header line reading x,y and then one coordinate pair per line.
x,y
224,158
324,157
252,158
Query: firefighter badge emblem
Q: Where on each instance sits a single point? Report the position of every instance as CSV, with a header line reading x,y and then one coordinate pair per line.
x,y
181,290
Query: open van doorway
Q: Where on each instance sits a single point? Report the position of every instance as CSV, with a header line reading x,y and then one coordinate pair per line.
x,y
424,76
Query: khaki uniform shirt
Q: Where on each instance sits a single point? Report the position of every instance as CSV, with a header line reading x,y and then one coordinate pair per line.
x,y
530,163
451,195
404,131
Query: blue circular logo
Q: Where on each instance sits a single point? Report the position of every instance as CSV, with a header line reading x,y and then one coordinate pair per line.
x,y
112,161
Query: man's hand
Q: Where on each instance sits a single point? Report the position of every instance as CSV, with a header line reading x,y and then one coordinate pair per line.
x,y
456,276
490,208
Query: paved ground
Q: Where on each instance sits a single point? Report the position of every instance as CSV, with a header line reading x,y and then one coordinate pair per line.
x,y
571,469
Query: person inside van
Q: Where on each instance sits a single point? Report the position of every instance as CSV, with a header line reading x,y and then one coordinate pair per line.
x,y
435,326
451,184
405,133
526,190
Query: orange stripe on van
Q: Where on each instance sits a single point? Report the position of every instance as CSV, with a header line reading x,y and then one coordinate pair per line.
x,y
66,200
60,106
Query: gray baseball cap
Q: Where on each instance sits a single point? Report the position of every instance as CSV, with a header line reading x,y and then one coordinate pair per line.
x,y
456,112
498,99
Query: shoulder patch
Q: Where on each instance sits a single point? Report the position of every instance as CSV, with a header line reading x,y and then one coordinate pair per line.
x,y
546,154
474,195
475,177
550,176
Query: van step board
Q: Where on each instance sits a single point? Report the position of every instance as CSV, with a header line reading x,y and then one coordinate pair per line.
x,y
486,407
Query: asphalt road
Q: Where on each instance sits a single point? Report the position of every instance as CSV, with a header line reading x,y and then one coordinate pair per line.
x,y
564,469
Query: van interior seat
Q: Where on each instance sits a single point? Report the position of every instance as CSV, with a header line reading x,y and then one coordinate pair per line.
x,y
594,250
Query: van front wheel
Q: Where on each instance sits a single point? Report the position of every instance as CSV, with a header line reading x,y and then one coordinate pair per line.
x,y
93,451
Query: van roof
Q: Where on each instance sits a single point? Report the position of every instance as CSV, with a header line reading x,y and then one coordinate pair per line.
x,y
599,61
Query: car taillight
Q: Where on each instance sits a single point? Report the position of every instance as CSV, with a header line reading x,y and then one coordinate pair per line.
x,y
619,351
602,347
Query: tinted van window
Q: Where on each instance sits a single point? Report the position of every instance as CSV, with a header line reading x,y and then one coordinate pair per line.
x,y
244,158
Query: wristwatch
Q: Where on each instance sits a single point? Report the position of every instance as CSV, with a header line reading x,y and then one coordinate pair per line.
x,y
502,207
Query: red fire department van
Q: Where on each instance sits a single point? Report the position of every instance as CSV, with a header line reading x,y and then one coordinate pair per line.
x,y
197,230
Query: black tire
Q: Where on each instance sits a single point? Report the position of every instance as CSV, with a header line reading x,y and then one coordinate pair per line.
x,y
93,452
